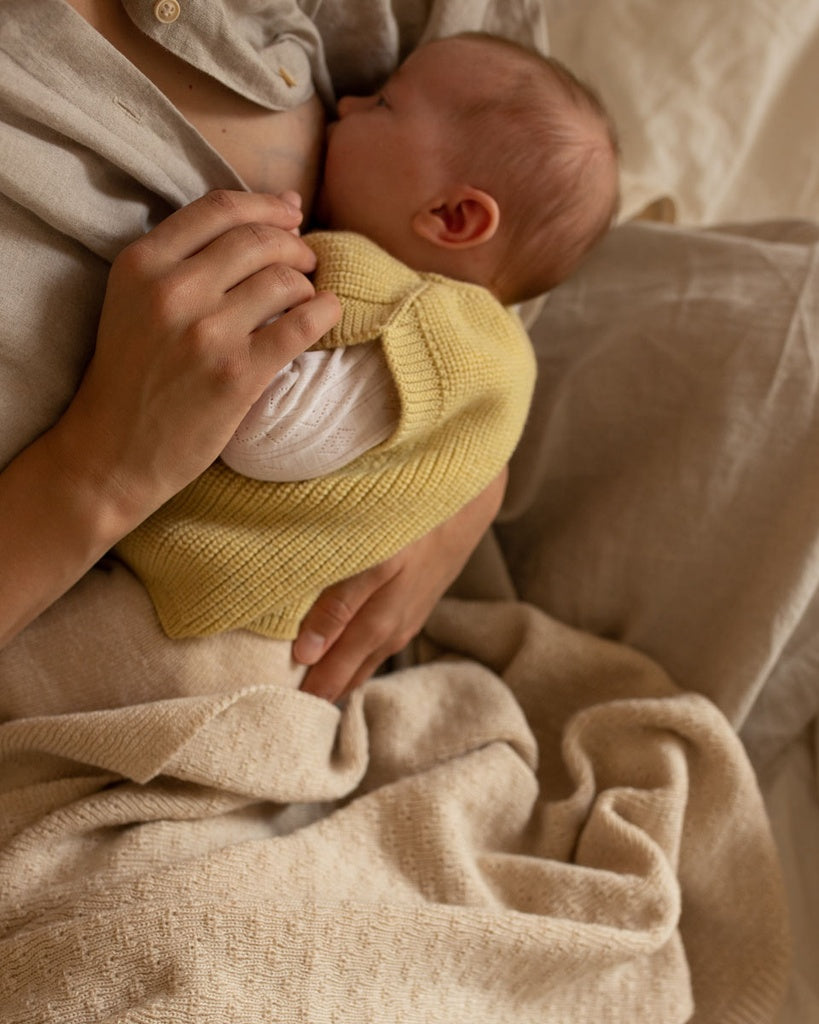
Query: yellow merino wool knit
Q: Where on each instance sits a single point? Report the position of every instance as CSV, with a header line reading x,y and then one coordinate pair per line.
x,y
230,552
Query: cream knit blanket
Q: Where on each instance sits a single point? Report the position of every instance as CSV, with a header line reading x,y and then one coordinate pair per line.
x,y
534,827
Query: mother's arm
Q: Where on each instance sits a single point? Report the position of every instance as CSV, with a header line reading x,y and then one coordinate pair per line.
x,y
180,357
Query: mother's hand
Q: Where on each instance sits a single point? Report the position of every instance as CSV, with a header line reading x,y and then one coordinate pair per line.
x,y
357,624
185,345
184,348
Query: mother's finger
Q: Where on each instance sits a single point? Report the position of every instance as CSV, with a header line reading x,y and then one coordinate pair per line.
x,y
255,301
352,628
277,343
333,611
376,631
196,225
344,668
243,250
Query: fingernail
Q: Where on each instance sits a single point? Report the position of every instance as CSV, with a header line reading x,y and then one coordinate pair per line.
x,y
292,200
308,647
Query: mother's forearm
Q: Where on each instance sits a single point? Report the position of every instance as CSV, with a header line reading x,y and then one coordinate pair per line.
x,y
55,524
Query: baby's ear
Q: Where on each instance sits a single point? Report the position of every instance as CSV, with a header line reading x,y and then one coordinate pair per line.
x,y
466,218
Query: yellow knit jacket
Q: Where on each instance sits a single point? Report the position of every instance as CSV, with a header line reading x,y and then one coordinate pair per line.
x,y
229,552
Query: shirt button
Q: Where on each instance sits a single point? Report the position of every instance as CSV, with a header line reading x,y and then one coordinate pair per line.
x,y
167,11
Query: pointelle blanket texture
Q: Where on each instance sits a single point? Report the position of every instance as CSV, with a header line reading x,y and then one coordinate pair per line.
x,y
535,825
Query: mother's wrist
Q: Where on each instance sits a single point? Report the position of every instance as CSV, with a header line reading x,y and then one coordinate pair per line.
x,y
98,501
58,516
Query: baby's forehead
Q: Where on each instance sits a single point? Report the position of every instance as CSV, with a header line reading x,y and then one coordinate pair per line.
x,y
469,73
457,56
481,55
447,74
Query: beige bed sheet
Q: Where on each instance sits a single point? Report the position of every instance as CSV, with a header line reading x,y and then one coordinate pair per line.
x,y
716,103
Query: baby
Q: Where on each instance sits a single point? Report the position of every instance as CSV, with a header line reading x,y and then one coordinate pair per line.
x,y
478,177
424,168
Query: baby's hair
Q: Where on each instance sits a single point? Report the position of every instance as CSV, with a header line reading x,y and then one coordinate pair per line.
x,y
548,151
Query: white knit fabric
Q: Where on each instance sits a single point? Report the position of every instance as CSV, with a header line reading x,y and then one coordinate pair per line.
x,y
320,412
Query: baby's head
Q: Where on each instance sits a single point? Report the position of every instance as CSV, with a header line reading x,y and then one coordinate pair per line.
x,y
478,159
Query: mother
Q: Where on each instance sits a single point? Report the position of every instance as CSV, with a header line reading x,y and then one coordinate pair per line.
x,y
115,116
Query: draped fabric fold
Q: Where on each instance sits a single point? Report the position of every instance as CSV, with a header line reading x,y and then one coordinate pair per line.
x,y
533,825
